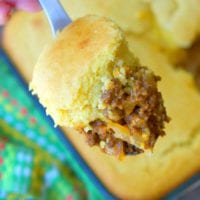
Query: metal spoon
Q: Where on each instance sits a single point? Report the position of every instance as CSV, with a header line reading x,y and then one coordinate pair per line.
x,y
57,17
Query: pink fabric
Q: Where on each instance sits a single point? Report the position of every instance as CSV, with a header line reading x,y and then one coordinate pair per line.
x,y
7,6
5,10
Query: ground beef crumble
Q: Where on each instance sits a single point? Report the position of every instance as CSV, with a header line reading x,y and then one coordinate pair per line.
x,y
103,136
137,104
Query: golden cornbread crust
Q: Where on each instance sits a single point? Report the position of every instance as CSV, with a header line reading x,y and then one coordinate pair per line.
x,y
82,59
176,157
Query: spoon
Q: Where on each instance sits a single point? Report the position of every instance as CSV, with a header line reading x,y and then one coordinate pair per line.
x,y
57,17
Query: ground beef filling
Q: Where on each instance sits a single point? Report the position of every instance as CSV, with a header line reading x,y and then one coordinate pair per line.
x,y
189,60
104,137
137,105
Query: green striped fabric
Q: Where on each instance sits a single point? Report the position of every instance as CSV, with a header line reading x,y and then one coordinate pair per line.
x,y
34,163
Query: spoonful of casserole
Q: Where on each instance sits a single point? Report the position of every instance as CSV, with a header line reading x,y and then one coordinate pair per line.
x,y
88,79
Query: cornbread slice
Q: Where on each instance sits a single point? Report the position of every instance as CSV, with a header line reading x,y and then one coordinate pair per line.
x,y
89,80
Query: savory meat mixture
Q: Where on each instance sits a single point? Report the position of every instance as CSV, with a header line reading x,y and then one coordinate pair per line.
x,y
137,105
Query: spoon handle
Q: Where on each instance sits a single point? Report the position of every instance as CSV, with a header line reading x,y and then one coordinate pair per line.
x,y
56,15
